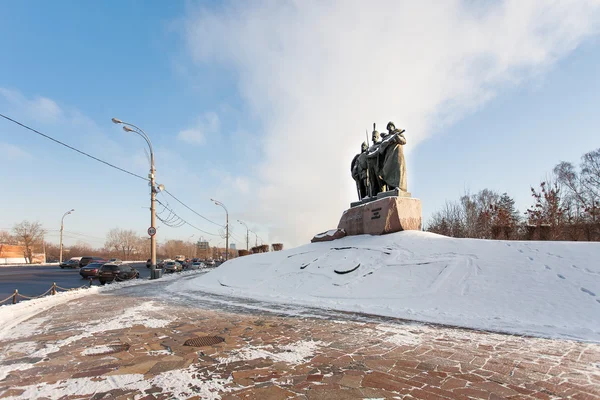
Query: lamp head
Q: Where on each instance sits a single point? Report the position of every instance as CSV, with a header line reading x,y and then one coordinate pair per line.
x,y
127,129
117,121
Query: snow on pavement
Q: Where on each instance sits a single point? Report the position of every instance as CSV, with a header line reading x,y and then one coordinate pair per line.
x,y
20,314
548,289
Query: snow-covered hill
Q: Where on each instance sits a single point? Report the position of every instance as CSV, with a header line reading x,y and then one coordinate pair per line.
x,y
536,288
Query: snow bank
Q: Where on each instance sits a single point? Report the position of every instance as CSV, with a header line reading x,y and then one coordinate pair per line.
x,y
547,289
12,315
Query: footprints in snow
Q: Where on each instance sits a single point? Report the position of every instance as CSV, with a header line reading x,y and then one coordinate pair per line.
x,y
584,290
560,276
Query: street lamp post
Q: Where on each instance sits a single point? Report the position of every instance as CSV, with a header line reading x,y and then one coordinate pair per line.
x,y
255,239
127,127
247,247
193,247
62,227
226,227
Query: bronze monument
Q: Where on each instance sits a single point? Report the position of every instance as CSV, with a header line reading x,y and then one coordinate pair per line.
x,y
386,165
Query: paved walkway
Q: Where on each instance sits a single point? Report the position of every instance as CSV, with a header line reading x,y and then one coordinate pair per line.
x,y
108,346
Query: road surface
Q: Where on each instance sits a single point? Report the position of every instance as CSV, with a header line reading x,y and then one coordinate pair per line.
x,y
36,279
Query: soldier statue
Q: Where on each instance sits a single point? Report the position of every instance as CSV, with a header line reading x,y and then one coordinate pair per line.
x,y
358,168
393,166
375,165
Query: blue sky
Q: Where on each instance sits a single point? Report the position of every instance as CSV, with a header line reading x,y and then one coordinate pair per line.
x,y
262,106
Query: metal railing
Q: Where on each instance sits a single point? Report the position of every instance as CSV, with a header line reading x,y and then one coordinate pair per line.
x,y
52,291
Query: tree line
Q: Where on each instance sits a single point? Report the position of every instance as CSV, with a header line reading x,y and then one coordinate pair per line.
x,y
124,244
565,206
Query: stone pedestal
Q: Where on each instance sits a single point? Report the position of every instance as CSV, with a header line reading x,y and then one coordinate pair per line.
x,y
381,195
386,215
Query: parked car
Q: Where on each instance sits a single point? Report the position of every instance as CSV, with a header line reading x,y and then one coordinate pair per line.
x,y
86,260
159,263
70,264
115,261
196,265
173,266
91,270
116,272
210,263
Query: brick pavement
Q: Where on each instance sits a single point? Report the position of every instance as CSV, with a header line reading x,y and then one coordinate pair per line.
x,y
135,349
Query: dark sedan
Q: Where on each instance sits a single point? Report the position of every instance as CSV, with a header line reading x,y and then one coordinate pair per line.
x,y
117,272
91,270
159,263
70,264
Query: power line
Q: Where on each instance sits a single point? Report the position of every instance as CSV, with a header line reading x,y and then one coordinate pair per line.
x,y
73,148
186,206
175,221
171,220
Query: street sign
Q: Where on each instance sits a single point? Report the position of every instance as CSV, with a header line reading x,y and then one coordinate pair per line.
x,y
152,231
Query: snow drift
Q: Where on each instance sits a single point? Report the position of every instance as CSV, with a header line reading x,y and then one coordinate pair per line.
x,y
546,289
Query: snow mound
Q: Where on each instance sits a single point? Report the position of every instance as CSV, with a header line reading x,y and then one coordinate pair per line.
x,y
547,289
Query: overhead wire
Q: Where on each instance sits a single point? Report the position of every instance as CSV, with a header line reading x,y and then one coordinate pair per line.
x,y
186,206
170,221
73,148
177,220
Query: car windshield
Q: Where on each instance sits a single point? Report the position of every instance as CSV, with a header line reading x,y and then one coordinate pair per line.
x,y
110,268
93,265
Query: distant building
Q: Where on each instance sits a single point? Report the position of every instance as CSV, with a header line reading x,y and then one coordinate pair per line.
x,y
232,246
203,250
13,254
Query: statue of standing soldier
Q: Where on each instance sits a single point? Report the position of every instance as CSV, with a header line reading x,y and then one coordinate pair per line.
x,y
394,164
382,166
358,167
375,164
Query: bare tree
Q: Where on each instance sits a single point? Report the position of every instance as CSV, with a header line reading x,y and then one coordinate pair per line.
x,y
123,241
581,195
472,216
174,248
548,209
29,234
7,238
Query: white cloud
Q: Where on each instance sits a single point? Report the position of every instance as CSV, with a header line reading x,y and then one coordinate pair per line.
x,y
45,109
207,124
10,152
319,73
39,108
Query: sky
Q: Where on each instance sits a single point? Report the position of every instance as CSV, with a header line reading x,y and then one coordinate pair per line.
x,y
262,105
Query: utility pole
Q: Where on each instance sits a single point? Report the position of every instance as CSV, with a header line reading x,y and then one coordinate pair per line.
x,y
247,238
226,227
154,189
62,227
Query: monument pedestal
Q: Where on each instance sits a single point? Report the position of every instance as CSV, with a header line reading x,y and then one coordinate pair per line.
x,y
381,195
385,215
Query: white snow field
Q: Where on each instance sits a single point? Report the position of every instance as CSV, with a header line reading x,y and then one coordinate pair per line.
x,y
547,289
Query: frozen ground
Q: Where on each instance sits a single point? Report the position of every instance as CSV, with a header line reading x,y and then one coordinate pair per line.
x,y
547,289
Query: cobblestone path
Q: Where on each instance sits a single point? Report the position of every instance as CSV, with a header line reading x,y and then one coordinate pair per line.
x,y
115,347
